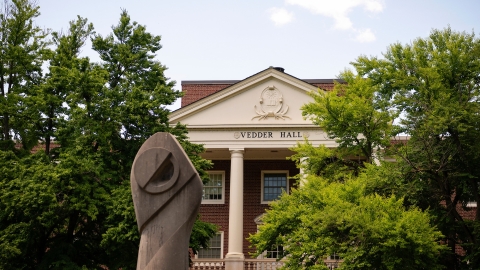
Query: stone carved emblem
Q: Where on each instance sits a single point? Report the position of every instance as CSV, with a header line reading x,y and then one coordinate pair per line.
x,y
271,105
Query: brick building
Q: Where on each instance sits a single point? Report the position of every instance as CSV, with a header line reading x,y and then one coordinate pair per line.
x,y
247,128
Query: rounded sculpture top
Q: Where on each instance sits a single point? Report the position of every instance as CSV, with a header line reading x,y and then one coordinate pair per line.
x,y
156,170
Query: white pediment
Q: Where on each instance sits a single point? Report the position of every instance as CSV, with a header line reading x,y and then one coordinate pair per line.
x,y
267,99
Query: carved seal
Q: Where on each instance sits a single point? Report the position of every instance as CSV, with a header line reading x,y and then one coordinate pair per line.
x,y
271,104
167,193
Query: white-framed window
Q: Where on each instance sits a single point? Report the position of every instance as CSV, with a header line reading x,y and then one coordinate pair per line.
x,y
334,256
214,250
273,182
214,189
274,252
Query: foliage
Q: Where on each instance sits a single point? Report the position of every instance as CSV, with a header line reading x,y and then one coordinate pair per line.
x,y
353,116
368,231
22,53
202,232
433,87
70,207
435,83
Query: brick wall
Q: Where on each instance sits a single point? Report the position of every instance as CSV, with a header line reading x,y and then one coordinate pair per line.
x,y
39,147
324,86
252,207
467,214
194,92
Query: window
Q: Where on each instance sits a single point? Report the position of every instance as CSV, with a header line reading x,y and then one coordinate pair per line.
x,y
334,256
214,189
274,252
333,261
214,250
273,182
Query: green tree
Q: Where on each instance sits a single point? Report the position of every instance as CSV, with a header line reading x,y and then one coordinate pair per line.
x,y
22,52
65,66
433,86
351,114
368,231
139,92
71,207
434,83
338,210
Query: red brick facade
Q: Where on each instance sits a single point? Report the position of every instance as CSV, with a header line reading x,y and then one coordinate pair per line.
x,y
252,206
466,214
194,92
324,86
39,147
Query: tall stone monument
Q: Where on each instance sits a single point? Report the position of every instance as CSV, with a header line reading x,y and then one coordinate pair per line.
x,y
167,193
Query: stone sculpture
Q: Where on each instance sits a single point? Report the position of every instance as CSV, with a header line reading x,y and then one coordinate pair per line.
x,y
167,193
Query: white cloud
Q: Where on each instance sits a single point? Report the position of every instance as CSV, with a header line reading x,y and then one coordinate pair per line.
x,y
339,11
374,5
365,36
280,16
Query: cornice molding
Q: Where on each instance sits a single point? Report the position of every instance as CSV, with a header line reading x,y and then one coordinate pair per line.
x,y
252,127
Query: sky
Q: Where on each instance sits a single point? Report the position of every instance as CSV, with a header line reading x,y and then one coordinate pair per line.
x,y
232,40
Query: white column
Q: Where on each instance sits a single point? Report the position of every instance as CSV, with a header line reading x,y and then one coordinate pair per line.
x,y
235,257
376,157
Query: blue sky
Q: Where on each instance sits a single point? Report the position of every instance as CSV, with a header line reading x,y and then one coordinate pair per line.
x,y
231,40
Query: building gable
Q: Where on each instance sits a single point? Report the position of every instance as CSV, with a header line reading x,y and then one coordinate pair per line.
x,y
268,98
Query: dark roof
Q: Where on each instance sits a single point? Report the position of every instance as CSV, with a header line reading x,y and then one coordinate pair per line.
x,y
310,81
211,82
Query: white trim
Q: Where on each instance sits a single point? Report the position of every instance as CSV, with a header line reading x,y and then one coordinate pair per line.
x,y
472,204
229,127
263,182
277,137
258,220
221,245
265,252
221,201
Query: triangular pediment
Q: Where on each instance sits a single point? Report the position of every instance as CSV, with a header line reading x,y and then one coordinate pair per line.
x,y
268,98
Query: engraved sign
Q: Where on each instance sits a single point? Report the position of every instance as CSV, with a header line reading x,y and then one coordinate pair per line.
x,y
271,105
270,134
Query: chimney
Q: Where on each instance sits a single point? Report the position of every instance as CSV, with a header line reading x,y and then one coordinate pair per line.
x,y
279,69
